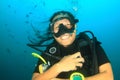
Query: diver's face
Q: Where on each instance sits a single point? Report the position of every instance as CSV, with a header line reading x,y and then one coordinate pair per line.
x,y
67,38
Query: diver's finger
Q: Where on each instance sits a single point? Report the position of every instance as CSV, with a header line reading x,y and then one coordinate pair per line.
x,y
80,60
79,64
78,54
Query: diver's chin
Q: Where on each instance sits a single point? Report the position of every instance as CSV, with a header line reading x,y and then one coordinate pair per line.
x,y
65,36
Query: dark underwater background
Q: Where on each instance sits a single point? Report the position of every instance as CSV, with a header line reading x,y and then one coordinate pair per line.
x,y
23,20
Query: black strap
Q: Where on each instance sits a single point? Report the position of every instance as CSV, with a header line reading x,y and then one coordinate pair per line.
x,y
92,43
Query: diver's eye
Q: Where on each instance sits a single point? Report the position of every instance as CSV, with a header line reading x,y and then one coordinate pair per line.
x,y
69,26
56,29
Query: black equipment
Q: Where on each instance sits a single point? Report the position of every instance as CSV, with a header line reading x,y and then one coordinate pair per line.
x,y
84,40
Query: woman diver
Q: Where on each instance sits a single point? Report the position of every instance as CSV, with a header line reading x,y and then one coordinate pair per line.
x,y
67,55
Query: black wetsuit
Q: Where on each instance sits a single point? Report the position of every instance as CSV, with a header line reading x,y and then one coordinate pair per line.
x,y
60,51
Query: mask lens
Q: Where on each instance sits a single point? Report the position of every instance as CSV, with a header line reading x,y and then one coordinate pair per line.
x,y
57,27
62,29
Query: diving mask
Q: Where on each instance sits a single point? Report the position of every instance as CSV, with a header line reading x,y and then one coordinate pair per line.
x,y
62,29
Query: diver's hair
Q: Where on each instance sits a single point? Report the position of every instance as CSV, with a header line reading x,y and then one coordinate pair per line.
x,y
62,13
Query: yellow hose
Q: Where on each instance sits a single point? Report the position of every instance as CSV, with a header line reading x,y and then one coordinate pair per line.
x,y
40,57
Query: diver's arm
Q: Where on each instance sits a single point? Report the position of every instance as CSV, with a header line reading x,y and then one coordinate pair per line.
x,y
66,64
47,75
105,73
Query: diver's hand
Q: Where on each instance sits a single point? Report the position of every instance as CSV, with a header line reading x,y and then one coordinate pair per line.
x,y
71,62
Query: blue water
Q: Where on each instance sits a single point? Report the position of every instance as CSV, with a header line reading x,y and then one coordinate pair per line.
x,y
18,16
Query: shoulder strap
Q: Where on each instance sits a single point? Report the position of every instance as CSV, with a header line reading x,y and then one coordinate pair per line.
x,y
86,40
